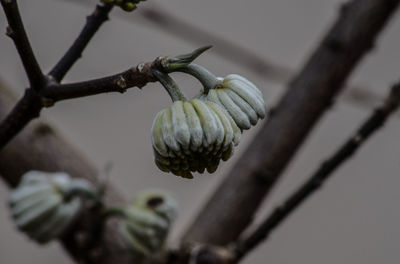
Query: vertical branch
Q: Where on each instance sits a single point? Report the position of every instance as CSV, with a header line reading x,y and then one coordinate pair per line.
x,y
93,23
30,105
23,112
371,125
308,96
16,32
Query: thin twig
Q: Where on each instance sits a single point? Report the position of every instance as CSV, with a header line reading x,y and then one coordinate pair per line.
x,y
93,23
309,95
134,77
371,125
16,32
33,101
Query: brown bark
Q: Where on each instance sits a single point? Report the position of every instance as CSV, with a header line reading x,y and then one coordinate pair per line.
x,y
308,96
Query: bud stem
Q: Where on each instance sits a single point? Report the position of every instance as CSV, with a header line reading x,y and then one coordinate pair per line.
x,y
170,85
207,79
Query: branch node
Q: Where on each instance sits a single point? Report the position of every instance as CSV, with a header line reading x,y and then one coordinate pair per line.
x,y
357,139
121,82
140,67
10,32
47,102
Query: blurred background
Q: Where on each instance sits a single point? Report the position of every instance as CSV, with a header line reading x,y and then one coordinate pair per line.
x,y
355,216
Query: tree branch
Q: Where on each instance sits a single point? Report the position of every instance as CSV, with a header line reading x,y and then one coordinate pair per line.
x,y
16,32
32,102
40,147
308,96
371,125
27,108
135,77
93,23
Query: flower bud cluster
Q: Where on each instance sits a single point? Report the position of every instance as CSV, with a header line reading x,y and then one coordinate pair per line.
x,y
193,136
146,223
45,204
241,98
126,5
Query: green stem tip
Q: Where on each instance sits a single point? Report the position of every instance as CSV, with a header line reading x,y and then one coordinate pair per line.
x,y
173,63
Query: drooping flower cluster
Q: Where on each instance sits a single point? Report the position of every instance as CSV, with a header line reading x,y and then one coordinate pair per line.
x,y
193,136
45,204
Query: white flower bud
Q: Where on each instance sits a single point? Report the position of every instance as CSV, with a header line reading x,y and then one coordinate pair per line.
x,y
146,223
45,204
193,136
241,98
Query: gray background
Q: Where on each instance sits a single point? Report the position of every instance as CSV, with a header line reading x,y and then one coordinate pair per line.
x,y
354,219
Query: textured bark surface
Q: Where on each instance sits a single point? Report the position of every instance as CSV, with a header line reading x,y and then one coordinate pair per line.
x,y
308,96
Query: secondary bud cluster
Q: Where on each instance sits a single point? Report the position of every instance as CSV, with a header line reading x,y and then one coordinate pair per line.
x,y
193,136
146,223
126,5
241,98
45,204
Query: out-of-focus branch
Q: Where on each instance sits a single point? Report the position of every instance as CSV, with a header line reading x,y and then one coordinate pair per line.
x,y
93,23
308,96
371,125
229,50
225,48
16,32
355,94
232,51
358,95
39,147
